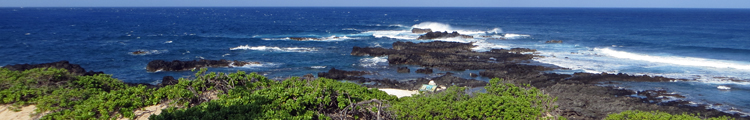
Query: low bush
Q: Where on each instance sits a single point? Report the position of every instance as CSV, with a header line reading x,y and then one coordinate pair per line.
x,y
293,98
502,101
656,115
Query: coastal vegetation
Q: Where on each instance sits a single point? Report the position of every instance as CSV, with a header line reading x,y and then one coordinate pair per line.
x,y
240,95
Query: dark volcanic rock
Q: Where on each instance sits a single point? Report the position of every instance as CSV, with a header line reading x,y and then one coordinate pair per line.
x,y
403,70
139,52
554,41
420,31
168,80
343,75
473,75
438,35
514,50
72,68
578,95
450,55
424,71
177,65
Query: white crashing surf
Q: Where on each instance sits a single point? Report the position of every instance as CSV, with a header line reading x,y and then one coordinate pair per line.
x,y
274,49
324,39
406,34
598,60
373,62
148,52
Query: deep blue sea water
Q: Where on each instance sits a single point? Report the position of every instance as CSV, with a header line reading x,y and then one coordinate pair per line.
x,y
710,47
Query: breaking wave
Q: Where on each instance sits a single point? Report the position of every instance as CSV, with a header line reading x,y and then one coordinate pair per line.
x,y
274,49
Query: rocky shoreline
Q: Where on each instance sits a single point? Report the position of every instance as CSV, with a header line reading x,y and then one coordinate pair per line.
x,y
579,96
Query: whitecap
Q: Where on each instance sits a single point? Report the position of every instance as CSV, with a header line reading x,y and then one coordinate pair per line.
x,y
678,60
374,62
318,67
280,49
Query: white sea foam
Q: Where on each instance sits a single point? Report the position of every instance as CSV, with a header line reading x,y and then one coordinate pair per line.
x,y
317,67
435,26
599,60
149,52
330,38
280,49
678,60
374,62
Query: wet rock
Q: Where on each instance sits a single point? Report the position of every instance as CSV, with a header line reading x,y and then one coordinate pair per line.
x,y
424,71
177,65
169,80
72,68
403,70
513,50
420,31
139,52
450,55
473,75
554,41
439,35
343,75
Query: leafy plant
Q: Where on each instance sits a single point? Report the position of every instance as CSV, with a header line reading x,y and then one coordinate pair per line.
x,y
656,115
502,101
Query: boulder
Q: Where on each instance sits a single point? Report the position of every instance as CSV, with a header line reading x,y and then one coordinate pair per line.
x,y
343,75
177,65
424,71
420,31
72,68
403,70
554,41
438,35
169,80
139,52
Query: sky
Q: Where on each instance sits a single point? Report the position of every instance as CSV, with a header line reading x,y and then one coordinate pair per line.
x,y
383,3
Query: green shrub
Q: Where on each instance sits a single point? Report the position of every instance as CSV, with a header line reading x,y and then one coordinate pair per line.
x,y
502,101
68,96
289,99
656,115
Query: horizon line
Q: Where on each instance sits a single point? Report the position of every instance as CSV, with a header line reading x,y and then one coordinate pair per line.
x,y
351,7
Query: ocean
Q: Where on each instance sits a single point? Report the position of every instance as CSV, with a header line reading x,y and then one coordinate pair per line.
x,y
708,47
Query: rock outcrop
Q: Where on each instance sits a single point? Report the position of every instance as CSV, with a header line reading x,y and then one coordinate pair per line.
x,y
439,35
579,96
403,70
554,41
177,65
72,68
303,38
424,71
450,55
343,75
420,31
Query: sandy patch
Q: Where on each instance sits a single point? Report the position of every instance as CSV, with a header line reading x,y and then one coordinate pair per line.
x,y
25,113
399,92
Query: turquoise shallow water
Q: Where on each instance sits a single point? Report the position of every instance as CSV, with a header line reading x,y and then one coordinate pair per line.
x,y
708,46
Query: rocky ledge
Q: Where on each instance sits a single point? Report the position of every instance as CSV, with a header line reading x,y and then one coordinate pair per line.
x,y
447,55
176,65
579,96
72,68
439,35
420,31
